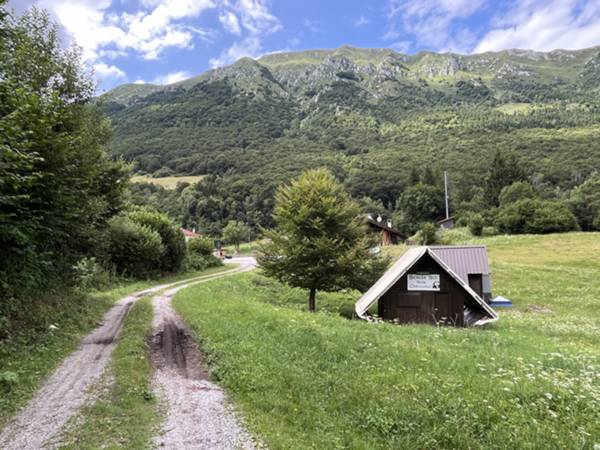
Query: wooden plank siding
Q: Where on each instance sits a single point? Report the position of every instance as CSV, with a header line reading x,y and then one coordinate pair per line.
x,y
443,306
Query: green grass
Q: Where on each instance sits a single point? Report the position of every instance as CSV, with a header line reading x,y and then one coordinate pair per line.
x,y
166,182
514,108
246,248
125,414
320,381
30,354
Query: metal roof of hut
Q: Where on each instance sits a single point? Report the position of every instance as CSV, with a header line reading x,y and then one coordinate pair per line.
x,y
463,259
478,312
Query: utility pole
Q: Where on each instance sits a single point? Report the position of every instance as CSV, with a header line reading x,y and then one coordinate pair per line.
x,y
446,193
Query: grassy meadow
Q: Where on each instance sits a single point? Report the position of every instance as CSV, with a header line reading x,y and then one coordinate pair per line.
x,y
303,380
166,182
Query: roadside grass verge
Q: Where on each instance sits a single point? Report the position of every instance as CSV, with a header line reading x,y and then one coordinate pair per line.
x,y
125,413
29,354
306,380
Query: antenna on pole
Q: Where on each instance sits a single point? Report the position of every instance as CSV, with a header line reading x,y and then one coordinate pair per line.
x,y
446,192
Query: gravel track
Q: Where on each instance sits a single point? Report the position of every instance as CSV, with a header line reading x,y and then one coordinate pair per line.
x,y
68,388
198,413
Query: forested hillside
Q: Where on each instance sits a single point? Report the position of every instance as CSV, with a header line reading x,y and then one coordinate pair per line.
x,y
376,118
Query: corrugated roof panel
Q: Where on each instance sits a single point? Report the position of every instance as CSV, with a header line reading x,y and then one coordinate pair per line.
x,y
464,259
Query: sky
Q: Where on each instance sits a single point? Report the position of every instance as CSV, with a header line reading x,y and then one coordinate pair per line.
x,y
164,41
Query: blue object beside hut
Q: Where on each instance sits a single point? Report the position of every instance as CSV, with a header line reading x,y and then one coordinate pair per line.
x,y
500,302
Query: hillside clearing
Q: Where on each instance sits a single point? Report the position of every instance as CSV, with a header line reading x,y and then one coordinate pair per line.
x,y
321,381
166,182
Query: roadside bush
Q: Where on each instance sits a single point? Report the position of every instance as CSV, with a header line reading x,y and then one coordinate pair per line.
x,y
173,257
201,246
134,249
200,254
90,274
476,225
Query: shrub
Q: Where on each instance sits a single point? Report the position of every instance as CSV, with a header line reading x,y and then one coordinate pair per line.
x,y
174,254
134,249
552,217
200,254
201,246
536,216
90,274
428,234
476,225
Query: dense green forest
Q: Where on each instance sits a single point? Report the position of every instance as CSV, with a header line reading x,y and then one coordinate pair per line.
x,y
379,120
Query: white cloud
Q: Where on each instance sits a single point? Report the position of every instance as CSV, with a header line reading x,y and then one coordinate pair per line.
x,y
172,77
158,25
254,21
255,16
107,72
433,23
544,26
251,46
230,22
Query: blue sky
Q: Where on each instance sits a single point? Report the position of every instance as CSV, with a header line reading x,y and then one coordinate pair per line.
x,y
163,41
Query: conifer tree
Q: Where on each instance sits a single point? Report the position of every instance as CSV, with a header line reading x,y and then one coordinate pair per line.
x,y
320,241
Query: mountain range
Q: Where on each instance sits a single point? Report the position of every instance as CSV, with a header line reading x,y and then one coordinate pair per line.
x,y
371,115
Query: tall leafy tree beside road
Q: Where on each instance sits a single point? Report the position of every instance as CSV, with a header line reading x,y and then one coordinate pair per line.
x,y
320,241
58,188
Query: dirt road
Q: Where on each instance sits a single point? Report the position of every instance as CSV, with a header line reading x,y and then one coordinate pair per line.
x,y
68,388
198,413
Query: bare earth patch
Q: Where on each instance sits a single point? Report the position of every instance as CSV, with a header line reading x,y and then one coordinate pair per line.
x,y
198,414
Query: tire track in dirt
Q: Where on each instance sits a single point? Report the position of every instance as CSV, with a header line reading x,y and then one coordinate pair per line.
x,y
68,388
199,415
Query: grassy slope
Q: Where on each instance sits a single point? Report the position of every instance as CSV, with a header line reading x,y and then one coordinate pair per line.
x,y
125,413
32,355
166,182
320,381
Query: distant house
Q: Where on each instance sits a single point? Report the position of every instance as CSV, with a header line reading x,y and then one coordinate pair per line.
x,y
438,285
190,234
386,233
447,223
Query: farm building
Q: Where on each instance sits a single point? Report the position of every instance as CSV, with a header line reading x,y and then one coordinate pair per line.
x,y
190,234
447,223
439,285
387,235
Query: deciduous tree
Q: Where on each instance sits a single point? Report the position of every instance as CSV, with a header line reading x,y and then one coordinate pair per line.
x,y
320,241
